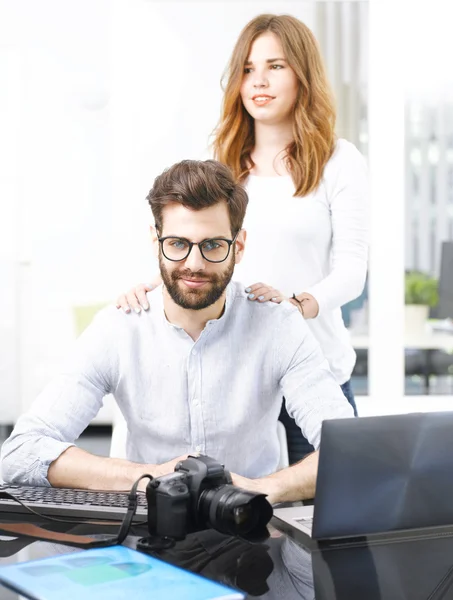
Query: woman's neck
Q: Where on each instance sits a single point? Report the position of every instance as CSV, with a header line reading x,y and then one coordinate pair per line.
x,y
268,153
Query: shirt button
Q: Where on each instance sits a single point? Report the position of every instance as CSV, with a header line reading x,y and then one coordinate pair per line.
x,y
198,448
194,352
196,401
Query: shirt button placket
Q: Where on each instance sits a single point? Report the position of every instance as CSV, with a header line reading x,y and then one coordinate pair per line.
x,y
195,403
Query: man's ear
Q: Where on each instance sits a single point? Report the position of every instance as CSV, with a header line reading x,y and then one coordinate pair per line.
x,y
154,239
240,245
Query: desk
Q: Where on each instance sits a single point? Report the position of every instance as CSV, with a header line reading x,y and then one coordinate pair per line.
x,y
428,342
416,568
423,341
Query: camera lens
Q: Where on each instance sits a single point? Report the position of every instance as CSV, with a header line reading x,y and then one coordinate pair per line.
x,y
242,514
235,511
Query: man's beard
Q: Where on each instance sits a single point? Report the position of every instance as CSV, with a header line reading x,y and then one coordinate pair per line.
x,y
196,299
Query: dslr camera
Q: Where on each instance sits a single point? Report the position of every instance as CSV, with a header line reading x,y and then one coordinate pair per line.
x,y
198,495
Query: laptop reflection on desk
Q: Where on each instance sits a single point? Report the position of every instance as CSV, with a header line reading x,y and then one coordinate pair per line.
x,y
377,475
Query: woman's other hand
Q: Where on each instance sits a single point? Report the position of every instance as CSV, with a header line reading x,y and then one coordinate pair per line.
x,y
309,305
263,293
135,298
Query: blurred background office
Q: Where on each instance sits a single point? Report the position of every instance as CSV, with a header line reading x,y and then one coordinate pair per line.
x,y
99,96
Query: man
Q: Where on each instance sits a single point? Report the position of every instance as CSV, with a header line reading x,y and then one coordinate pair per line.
x,y
203,370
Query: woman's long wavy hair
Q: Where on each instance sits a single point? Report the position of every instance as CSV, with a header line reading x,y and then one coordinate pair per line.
x,y
314,111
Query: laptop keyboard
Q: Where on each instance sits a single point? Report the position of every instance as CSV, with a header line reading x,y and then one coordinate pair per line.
x,y
71,503
305,521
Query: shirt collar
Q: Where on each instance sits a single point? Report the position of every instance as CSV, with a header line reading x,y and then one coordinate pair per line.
x,y
159,298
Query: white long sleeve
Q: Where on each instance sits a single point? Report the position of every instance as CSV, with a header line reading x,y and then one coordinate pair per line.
x,y
316,244
346,184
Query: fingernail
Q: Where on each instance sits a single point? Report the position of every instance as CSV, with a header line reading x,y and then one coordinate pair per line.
x,y
127,309
251,296
146,306
248,290
137,309
273,299
260,297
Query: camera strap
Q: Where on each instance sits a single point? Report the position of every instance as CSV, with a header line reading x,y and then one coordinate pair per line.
x,y
35,532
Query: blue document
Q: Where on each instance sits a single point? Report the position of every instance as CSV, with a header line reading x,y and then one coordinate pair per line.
x,y
110,573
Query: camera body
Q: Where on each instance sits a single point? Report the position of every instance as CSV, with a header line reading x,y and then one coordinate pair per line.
x,y
173,498
199,494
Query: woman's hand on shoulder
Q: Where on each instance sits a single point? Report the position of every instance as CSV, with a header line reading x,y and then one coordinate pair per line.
x,y
308,305
135,299
264,293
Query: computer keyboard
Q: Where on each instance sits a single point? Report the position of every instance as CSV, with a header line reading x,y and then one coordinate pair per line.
x,y
71,503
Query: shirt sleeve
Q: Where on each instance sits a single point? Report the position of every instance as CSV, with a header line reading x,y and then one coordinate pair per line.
x,y
347,189
307,384
65,407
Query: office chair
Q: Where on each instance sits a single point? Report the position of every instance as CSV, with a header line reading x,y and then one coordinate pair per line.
x,y
83,315
284,456
119,434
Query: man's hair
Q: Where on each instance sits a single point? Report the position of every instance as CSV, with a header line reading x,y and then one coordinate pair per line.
x,y
198,184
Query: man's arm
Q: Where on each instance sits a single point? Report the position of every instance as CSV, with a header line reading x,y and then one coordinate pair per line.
x,y
75,468
66,406
310,390
312,395
294,483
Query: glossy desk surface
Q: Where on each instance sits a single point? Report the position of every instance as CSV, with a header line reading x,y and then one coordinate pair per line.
x,y
412,566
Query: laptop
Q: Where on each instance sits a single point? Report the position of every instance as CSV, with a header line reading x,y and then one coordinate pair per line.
x,y
379,474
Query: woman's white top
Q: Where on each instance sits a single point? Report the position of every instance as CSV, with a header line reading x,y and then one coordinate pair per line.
x,y
316,244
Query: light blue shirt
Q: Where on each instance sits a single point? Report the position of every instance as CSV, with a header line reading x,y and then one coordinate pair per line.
x,y
220,396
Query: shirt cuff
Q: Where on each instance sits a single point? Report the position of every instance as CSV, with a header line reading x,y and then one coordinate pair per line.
x,y
47,457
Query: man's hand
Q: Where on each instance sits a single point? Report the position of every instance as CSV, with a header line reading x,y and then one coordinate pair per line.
x,y
168,467
76,468
157,470
294,483
259,486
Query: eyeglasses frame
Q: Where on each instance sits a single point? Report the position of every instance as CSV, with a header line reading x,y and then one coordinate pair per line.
x,y
161,240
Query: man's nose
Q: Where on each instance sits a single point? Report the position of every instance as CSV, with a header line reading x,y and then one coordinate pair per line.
x,y
195,260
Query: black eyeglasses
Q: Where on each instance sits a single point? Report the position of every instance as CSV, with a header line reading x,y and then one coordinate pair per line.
x,y
214,250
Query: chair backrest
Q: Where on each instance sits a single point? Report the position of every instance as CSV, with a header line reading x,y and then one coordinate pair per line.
x,y
83,315
119,434
284,457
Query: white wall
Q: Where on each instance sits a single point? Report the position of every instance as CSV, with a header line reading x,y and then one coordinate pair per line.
x,y
55,197
96,98
167,61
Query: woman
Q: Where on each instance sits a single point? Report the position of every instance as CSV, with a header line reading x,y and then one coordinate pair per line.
x,y
306,220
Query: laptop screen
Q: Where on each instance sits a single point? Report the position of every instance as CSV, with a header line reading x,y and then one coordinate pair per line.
x,y
386,473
